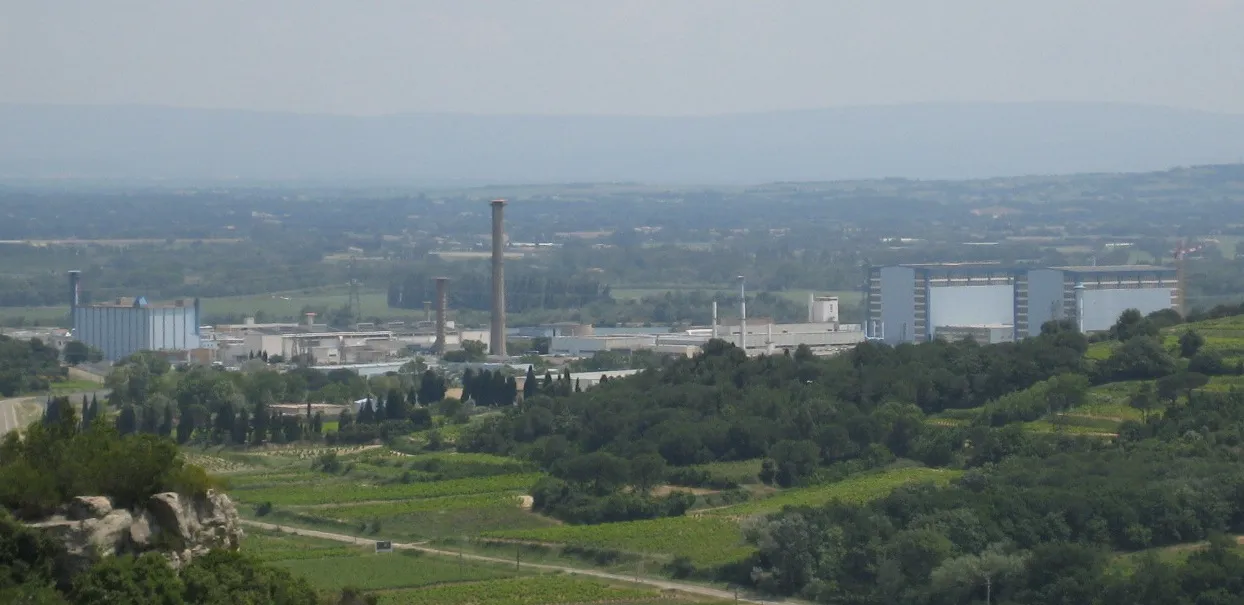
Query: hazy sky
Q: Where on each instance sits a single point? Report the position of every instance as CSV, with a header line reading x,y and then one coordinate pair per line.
x,y
618,56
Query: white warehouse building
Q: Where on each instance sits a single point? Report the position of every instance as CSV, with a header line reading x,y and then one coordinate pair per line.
x,y
911,303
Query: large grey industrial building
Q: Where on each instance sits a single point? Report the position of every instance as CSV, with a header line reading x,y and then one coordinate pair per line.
x,y
127,325
913,303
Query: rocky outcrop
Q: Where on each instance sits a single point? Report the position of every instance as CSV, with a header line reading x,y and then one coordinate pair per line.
x,y
178,527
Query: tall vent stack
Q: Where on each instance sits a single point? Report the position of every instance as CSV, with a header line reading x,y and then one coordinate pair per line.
x,y
75,286
442,304
497,336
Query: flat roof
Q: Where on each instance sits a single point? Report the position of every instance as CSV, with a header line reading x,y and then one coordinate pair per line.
x,y
966,265
1113,268
972,326
1000,268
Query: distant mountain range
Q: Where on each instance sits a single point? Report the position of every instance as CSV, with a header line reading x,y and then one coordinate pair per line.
x,y
948,140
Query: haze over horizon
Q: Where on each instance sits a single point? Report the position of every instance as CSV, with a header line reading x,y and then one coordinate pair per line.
x,y
635,58
693,91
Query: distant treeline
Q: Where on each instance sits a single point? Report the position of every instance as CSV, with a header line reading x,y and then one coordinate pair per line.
x,y
532,291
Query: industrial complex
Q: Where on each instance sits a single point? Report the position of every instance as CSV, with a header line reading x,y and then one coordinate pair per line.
x,y
992,303
903,303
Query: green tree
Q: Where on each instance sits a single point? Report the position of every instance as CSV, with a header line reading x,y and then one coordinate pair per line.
x,y
795,461
647,471
395,406
1190,342
127,421
431,387
973,572
1132,324
1170,387
1138,358
77,352
1208,362
144,579
1143,399
367,414
602,472
529,383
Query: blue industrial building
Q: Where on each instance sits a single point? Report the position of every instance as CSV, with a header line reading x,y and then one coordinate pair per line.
x,y
128,325
909,303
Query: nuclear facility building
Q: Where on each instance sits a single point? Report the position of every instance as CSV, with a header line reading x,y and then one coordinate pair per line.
x,y
916,303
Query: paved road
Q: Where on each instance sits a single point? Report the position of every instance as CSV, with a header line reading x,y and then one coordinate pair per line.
x,y
704,591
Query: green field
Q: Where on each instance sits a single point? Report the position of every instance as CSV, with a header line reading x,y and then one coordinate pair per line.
x,y
338,492
422,505
743,472
713,538
707,540
405,569
538,590
411,577
854,490
269,545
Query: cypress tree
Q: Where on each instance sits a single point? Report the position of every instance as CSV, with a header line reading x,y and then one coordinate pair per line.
x,y
468,378
259,423
511,391
166,427
395,405
126,423
151,420
241,427
529,383
185,428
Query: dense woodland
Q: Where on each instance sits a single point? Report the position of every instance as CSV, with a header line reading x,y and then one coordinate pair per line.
x,y
1037,517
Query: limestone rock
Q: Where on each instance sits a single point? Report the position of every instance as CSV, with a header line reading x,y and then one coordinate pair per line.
x,y
179,528
89,507
141,531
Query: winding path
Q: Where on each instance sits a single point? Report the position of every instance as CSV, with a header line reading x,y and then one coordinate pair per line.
x,y
703,591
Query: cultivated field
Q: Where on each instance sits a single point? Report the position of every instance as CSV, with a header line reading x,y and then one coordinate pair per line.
x,y
713,537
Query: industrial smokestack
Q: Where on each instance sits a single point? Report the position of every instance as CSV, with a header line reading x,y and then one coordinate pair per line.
x,y
442,303
75,284
497,335
714,320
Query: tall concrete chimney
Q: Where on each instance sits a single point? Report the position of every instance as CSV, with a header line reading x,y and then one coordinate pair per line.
x,y
496,340
714,320
75,282
442,303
